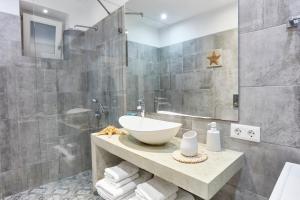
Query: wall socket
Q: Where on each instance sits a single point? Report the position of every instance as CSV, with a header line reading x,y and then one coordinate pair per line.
x,y
244,132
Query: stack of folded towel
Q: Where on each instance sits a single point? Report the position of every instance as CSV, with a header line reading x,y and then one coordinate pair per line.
x,y
156,189
120,181
159,189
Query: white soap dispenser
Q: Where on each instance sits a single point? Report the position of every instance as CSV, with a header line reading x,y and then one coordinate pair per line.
x,y
213,139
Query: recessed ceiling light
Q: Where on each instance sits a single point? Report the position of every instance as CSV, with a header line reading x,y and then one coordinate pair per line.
x,y
45,11
163,16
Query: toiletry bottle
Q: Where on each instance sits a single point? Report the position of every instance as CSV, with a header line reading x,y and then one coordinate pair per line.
x,y
213,140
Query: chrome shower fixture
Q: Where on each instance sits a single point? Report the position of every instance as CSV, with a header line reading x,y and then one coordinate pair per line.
x,y
100,107
294,21
103,6
135,13
88,27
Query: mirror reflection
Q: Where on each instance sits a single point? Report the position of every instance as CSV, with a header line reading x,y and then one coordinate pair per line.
x,y
183,57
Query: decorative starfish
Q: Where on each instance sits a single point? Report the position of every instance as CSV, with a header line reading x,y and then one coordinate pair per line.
x,y
111,130
214,58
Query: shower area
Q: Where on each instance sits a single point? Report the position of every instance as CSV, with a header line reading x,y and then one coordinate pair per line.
x,y
62,65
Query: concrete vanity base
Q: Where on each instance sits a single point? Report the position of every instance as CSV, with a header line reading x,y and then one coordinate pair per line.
x,y
202,179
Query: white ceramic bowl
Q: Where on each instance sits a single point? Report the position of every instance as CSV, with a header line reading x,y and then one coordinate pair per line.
x,y
149,131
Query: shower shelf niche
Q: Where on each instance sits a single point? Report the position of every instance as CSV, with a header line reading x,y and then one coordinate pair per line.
x,y
203,179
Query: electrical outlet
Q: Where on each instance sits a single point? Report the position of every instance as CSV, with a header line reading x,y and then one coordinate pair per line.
x,y
244,132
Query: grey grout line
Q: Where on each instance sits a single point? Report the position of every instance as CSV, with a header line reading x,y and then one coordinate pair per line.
x,y
274,86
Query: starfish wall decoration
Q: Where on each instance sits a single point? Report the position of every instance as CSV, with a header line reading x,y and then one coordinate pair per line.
x,y
215,58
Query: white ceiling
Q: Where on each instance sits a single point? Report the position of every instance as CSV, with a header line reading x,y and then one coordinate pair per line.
x,y
177,10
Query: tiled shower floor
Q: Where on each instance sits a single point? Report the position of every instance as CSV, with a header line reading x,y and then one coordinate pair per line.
x,y
77,187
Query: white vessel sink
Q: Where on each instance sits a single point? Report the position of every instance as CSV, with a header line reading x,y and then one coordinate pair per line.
x,y
149,131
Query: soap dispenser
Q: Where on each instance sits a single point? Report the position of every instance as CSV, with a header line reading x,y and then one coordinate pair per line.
x,y
213,140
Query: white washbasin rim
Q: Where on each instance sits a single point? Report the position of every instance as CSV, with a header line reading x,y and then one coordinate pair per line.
x,y
148,130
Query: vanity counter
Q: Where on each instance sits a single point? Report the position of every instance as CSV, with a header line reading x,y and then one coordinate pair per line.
x,y
203,179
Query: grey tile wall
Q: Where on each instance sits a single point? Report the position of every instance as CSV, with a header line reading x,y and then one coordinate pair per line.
x,y
143,76
40,140
269,95
266,13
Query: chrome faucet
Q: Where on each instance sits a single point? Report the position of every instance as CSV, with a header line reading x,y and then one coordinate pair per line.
x,y
141,108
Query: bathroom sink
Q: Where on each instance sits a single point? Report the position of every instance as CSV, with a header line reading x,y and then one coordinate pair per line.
x,y
149,131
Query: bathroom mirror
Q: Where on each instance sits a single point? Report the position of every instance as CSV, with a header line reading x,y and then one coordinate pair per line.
x,y
182,57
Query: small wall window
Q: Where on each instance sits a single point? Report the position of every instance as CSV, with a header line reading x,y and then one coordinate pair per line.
x,y
42,37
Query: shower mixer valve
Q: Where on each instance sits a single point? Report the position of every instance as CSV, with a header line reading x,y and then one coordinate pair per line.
x,y
99,110
294,22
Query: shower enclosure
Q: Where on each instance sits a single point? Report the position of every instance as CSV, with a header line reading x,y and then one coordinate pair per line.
x,y
60,82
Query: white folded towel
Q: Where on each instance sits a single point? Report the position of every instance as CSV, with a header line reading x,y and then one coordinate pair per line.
x,y
122,182
106,196
181,195
139,197
156,189
129,196
121,171
113,193
110,192
134,198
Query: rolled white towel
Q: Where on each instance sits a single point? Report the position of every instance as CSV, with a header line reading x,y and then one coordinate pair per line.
x,y
121,171
156,189
122,182
113,193
183,195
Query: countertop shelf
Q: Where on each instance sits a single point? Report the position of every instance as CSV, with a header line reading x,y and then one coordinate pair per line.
x,y
203,179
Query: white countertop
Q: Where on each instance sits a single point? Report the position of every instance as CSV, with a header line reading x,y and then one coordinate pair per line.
x,y
288,183
203,179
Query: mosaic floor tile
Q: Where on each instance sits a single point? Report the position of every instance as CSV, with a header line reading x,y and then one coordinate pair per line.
x,y
77,187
